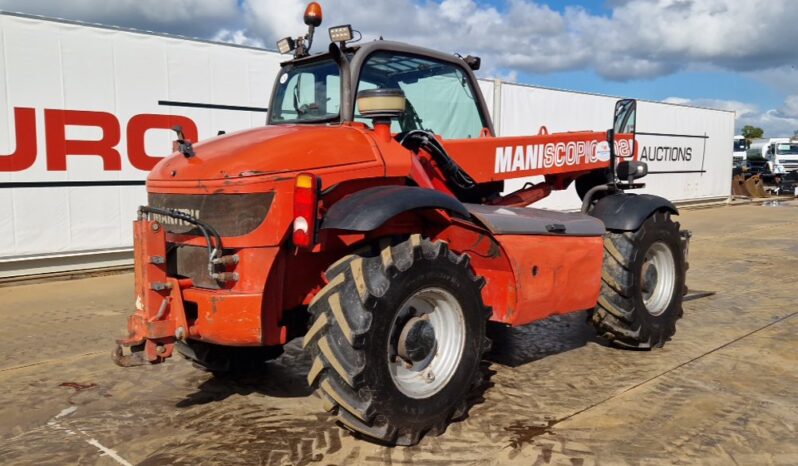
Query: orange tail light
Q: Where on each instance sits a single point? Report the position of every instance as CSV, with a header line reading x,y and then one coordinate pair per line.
x,y
306,200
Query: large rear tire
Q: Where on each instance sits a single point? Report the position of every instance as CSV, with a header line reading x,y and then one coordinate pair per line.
x,y
642,284
397,339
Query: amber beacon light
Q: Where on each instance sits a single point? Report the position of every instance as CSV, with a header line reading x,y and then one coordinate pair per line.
x,y
313,14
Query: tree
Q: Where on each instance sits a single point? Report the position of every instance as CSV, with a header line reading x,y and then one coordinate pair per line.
x,y
795,134
751,132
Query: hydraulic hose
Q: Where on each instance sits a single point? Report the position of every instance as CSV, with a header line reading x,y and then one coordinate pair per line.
x,y
426,140
214,247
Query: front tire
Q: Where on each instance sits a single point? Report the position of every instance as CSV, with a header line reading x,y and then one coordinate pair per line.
x,y
397,340
642,284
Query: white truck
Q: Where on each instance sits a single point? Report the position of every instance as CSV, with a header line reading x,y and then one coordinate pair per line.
x,y
738,152
782,155
754,161
776,160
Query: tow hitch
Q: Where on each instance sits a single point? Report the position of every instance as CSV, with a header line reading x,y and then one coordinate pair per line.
x,y
160,320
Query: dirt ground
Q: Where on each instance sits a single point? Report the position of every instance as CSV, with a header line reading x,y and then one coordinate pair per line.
x,y
722,392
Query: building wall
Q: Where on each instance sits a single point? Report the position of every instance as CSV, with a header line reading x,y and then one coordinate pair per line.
x,y
116,75
688,149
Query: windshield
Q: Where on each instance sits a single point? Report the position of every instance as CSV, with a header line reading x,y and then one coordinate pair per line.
x,y
308,93
787,149
739,145
439,96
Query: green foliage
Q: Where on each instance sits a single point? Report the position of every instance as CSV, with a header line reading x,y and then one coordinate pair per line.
x,y
752,132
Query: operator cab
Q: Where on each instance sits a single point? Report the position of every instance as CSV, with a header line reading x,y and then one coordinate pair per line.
x,y
441,91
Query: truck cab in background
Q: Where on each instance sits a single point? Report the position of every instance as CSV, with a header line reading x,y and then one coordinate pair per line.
x,y
782,155
775,160
782,158
738,151
754,161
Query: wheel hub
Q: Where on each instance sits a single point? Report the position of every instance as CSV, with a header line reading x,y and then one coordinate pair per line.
x,y
426,342
417,340
658,278
649,277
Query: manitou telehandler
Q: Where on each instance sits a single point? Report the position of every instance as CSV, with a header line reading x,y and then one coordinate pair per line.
x,y
369,217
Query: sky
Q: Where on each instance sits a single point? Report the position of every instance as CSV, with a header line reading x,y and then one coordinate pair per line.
x,y
736,55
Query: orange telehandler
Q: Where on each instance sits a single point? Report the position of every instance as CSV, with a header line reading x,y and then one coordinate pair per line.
x,y
369,217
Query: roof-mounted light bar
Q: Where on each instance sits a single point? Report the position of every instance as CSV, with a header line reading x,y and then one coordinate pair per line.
x,y
341,33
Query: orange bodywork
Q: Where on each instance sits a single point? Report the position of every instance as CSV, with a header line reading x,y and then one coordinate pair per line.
x,y
158,314
552,275
527,277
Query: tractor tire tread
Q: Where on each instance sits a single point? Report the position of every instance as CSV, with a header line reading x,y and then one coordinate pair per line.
x,y
615,316
341,316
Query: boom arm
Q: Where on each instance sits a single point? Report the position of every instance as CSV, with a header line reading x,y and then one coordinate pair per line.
x,y
563,155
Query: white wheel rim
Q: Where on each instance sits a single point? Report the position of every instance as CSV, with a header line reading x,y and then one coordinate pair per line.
x,y
428,376
658,278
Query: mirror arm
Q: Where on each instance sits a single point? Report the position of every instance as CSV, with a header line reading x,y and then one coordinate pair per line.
x,y
611,178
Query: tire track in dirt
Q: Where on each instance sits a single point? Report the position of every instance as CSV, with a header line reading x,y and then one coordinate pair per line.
x,y
557,396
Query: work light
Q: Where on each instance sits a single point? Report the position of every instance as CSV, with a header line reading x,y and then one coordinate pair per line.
x,y
341,33
285,45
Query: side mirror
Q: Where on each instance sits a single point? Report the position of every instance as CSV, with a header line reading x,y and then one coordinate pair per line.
x,y
625,121
631,170
473,62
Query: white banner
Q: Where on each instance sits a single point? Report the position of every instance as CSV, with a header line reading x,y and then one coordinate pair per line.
x,y
688,149
82,124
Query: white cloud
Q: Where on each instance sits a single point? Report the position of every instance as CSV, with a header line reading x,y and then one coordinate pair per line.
x,y
636,39
774,124
790,108
640,39
782,78
740,108
198,18
238,37
777,122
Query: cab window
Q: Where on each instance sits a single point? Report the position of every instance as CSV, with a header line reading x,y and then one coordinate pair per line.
x,y
308,93
439,95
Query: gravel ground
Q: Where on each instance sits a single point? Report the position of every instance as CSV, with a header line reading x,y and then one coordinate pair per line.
x,y
722,392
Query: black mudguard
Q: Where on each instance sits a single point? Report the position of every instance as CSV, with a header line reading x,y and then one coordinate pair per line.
x,y
626,212
368,209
